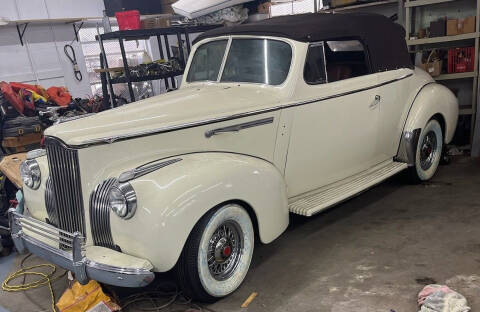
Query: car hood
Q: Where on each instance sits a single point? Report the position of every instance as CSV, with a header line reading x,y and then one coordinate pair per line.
x,y
186,105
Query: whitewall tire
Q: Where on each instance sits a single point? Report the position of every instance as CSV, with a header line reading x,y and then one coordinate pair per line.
x,y
429,151
217,254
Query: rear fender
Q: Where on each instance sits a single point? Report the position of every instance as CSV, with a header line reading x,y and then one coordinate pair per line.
x,y
433,100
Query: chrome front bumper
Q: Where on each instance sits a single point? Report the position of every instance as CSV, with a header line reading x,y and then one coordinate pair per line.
x,y
75,258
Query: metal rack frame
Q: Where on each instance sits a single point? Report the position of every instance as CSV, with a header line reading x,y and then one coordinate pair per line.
x,y
181,32
416,45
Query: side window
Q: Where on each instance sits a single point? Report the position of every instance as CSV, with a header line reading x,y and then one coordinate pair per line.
x,y
345,59
314,70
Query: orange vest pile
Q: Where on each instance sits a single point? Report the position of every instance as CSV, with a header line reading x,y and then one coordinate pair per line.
x,y
24,97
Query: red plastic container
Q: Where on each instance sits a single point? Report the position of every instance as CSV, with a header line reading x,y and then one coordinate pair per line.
x,y
128,20
461,60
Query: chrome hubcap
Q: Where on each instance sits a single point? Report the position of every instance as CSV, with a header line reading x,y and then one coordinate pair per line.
x,y
224,250
428,150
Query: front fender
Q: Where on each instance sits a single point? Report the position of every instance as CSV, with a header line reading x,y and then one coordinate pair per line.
x,y
434,99
172,199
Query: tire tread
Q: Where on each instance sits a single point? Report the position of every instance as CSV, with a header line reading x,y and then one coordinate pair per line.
x,y
187,270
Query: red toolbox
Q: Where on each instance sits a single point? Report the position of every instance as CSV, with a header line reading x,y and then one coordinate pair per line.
x,y
461,60
128,20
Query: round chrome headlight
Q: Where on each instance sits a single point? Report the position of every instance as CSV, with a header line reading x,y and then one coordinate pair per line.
x,y
122,200
30,173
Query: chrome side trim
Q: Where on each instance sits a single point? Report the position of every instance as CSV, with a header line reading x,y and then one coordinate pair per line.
x,y
145,169
408,147
132,135
238,127
76,260
100,215
61,120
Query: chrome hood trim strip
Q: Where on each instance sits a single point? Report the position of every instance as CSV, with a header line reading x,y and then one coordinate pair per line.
x,y
145,169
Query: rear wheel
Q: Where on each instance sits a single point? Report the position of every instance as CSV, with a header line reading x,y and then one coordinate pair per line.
x,y
217,254
429,152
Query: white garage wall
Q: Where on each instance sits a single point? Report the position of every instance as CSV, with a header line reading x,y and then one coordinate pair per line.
x,y
41,59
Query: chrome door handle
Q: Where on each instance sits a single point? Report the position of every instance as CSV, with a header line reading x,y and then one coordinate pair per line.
x,y
375,102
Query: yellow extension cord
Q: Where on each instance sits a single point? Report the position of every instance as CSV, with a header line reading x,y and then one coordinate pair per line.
x,y
46,279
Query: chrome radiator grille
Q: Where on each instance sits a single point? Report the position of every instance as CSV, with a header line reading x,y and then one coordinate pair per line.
x,y
66,187
50,203
100,215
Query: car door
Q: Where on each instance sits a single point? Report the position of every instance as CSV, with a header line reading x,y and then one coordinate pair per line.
x,y
334,131
396,101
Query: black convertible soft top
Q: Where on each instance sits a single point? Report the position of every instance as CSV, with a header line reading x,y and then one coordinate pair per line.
x,y
384,39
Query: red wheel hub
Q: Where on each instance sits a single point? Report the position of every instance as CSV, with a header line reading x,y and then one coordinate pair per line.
x,y
227,251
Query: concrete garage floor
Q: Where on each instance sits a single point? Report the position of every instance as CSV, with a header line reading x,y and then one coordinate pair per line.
x,y
372,253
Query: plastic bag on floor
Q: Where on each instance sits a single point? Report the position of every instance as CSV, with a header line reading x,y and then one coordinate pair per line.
x,y
81,298
440,298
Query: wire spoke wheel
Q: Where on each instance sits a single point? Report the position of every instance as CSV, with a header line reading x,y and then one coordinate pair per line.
x,y
217,254
224,250
428,150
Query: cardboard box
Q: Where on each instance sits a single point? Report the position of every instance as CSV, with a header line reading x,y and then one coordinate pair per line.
x,y
433,68
156,22
452,27
264,8
10,167
467,25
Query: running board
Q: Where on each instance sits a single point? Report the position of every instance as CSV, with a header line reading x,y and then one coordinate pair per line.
x,y
332,194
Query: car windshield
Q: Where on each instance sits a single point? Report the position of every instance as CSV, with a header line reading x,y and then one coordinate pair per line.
x,y
264,61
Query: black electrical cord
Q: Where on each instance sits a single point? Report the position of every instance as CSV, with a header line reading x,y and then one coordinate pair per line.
x,y
73,59
166,295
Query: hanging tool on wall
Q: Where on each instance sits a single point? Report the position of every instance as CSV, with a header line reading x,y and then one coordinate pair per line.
x,y
73,58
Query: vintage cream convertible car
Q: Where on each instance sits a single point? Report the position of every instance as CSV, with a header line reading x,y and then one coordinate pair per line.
x,y
289,115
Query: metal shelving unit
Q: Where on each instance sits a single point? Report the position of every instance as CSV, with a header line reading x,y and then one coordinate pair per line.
x,y
182,34
22,25
416,3
432,40
456,76
371,6
361,5
417,45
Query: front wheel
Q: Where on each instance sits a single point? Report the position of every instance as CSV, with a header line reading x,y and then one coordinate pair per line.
x,y
217,254
429,152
